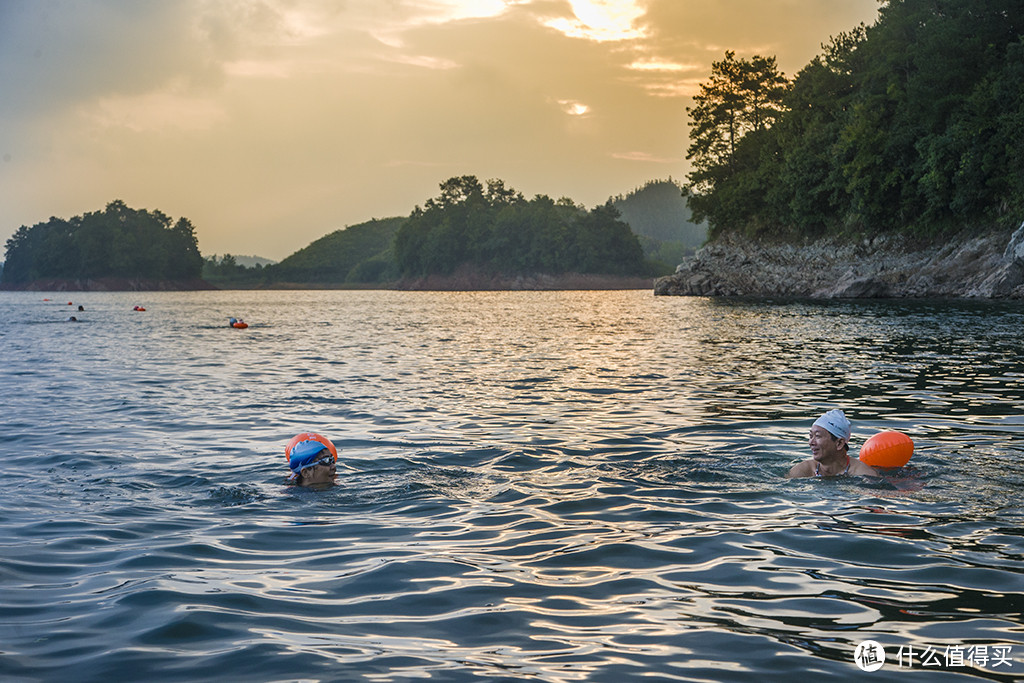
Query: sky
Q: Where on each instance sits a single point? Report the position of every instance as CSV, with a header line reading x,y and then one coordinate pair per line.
x,y
271,123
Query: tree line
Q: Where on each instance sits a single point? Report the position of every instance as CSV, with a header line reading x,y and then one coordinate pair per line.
x,y
116,242
914,123
494,228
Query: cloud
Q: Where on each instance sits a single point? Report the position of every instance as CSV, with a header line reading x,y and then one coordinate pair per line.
x,y
56,54
271,122
171,108
601,20
646,157
664,65
424,61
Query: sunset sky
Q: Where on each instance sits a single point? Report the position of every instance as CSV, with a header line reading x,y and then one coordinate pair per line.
x,y
272,123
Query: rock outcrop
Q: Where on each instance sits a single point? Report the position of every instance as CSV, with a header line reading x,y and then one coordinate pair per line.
x,y
981,266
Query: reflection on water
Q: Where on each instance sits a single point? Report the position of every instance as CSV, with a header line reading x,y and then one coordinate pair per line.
x,y
554,486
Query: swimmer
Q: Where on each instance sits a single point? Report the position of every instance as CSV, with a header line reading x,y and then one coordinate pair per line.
x,y
311,463
81,308
72,319
830,450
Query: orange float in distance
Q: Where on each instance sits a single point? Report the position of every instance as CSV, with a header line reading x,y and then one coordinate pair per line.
x,y
887,449
310,436
240,325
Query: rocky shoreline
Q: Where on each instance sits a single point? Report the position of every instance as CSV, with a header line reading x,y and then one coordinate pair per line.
x,y
109,284
963,266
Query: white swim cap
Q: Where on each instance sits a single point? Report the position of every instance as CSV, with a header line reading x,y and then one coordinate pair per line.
x,y
836,424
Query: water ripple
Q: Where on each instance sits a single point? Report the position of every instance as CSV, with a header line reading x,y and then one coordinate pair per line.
x,y
557,486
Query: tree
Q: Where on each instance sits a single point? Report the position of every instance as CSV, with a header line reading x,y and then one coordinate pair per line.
x,y
183,258
742,97
912,124
808,190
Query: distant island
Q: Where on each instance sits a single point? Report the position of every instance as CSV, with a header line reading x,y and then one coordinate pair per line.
x,y
488,236
116,249
473,235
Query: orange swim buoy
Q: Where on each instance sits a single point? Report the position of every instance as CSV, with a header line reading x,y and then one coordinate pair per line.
x,y
310,436
887,450
138,308
240,325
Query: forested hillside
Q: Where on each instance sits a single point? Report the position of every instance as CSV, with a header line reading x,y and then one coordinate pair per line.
x,y
914,123
116,242
496,229
358,254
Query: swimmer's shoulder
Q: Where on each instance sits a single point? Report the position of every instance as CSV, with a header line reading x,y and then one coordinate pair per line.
x,y
801,469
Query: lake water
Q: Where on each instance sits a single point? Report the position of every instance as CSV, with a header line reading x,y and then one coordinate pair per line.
x,y
544,486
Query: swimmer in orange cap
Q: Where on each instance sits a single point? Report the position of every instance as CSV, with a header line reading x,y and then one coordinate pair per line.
x,y
830,450
312,459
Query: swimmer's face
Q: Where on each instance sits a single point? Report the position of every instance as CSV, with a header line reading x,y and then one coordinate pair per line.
x,y
317,474
823,444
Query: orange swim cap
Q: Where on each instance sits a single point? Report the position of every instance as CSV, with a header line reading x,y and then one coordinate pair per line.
x,y
310,436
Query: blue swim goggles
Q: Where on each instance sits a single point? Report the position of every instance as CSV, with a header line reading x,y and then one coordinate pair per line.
x,y
308,453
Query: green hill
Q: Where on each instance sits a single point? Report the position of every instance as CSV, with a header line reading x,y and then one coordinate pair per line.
x,y
358,254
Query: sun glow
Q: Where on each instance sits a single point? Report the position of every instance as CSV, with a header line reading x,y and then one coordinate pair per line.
x,y
574,108
601,20
662,65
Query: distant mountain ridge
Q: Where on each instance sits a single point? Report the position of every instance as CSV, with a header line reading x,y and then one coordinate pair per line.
x,y
658,215
253,261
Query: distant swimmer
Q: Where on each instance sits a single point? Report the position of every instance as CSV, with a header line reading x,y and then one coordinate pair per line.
x,y
312,458
830,450
81,308
72,319
237,323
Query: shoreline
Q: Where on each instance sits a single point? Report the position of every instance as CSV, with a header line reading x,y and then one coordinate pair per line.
x,y
469,282
987,265
108,284
481,282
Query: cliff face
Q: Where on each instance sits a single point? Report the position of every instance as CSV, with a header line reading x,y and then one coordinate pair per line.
x,y
988,266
